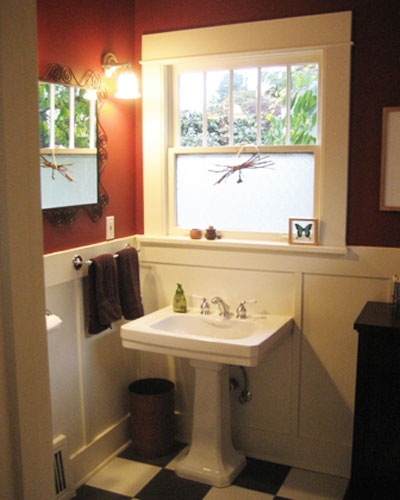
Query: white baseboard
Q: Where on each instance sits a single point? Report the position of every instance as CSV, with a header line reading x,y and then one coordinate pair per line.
x,y
305,453
95,455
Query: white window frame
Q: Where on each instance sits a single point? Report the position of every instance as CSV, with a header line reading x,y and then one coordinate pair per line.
x,y
328,33
231,63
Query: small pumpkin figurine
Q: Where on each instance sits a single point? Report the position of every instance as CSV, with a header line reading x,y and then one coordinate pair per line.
x,y
211,233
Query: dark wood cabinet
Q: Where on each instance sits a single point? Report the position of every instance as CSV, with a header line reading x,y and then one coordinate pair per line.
x,y
375,470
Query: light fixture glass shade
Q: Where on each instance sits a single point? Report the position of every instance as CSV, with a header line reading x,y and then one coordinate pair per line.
x,y
127,86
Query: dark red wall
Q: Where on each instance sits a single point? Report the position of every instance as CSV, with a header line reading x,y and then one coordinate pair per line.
x,y
76,33
375,84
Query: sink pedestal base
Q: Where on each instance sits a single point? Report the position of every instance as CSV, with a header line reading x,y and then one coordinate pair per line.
x,y
211,458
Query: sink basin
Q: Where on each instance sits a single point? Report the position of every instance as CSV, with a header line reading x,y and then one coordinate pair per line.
x,y
206,326
209,338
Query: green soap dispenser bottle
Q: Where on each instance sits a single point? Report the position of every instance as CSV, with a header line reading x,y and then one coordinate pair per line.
x,y
179,303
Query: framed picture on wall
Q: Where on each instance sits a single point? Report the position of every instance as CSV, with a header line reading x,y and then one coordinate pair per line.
x,y
390,160
303,231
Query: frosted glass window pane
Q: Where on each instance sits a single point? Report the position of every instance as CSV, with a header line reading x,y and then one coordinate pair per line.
x,y
217,90
245,83
191,98
263,202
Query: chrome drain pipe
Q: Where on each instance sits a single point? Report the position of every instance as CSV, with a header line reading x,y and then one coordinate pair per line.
x,y
245,395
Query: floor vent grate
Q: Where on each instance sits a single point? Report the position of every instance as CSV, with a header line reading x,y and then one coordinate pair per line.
x,y
59,473
61,469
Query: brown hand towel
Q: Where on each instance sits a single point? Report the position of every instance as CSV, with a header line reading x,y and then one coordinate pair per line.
x,y
129,283
104,306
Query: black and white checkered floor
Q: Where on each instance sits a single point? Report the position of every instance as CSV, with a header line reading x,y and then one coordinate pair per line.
x,y
129,477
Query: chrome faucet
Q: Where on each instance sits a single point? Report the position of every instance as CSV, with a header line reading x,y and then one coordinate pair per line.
x,y
205,305
223,307
241,311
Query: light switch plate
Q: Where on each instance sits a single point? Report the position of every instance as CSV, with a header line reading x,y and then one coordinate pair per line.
x,y
110,227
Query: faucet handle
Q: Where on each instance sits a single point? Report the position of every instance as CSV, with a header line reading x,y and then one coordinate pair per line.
x,y
241,311
205,305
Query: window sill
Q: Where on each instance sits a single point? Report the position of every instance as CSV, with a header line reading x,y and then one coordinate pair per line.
x,y
245,245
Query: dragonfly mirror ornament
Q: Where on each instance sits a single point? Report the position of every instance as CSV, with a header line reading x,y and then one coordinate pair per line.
x,y
72,145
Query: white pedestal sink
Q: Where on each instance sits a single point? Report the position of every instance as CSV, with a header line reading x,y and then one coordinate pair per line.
x,y
212,344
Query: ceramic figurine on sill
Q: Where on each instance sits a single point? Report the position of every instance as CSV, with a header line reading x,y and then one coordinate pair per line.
x,y
211,233
195,234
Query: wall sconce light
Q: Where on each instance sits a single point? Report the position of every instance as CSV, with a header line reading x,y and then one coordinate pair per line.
x,y
127,85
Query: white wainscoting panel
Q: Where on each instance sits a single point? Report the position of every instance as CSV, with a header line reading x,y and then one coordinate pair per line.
x,y
89,374
301,412
329,352
64,366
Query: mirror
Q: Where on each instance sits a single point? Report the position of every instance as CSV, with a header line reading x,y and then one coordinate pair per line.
x,y
72,145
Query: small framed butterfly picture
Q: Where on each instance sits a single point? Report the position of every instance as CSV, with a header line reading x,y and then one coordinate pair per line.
x,y
303,231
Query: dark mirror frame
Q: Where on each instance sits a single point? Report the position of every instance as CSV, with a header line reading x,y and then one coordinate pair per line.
x,y
90,80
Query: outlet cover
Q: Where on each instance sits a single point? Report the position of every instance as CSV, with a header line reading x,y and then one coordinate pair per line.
x,y
110,227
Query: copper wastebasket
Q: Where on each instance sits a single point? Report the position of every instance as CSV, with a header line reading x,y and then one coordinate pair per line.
x,y
152,417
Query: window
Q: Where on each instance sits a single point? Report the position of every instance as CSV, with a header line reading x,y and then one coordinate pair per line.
x,y
218,110
285,90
